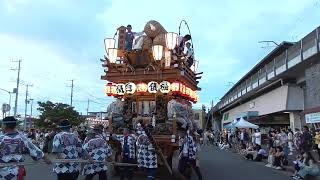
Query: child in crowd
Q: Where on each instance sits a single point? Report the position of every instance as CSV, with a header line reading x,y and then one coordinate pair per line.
x,y
297,164
278,157
272,153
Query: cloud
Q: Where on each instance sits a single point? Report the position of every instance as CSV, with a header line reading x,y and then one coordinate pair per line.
x,y
48,71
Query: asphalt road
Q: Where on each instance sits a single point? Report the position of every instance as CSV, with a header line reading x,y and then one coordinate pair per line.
x,y
215,164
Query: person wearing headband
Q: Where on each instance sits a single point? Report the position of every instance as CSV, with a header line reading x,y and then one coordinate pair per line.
x,y
146,152
66,145
96,149
14,146
128,153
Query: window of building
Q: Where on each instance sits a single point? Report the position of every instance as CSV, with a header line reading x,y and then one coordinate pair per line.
x,y
270,70
226,116
248,85
262,76
255,80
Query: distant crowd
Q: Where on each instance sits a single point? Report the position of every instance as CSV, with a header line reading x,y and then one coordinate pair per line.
x,y
281,146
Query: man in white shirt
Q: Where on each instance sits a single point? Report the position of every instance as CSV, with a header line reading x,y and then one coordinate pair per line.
x,y
181,43
190,54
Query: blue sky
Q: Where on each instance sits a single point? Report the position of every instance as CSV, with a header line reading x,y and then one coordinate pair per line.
x,y
60,40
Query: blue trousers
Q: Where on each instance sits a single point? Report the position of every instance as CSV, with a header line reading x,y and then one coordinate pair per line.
x,y
151,172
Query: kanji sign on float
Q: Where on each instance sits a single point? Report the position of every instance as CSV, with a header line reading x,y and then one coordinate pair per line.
x,y
165,87
120,89
130,88
153,87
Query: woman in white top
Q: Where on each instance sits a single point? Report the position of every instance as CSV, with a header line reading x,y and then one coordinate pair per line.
x,y
257,136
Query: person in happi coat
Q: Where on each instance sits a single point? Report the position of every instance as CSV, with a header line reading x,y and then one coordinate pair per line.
x,y
188,155
66,145
13,146
97,149
146,154
128,153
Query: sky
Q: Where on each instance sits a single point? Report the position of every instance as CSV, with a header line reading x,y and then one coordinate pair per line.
x,y
61,40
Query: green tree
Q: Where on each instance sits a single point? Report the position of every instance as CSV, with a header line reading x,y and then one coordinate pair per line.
x,y
52,113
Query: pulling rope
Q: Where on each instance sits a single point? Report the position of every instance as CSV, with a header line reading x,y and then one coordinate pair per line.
x,y
66,161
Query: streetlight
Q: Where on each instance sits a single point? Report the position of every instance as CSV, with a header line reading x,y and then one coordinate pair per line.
x,y
157,51
9,98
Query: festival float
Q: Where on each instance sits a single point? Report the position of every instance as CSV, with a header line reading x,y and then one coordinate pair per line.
x,y
153,83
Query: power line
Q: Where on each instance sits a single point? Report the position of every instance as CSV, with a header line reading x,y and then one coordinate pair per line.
x,y
86,92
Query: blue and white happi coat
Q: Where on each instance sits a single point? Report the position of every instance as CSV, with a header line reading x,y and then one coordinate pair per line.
x,y
12,148
191,148
69,146
131,143
146,156
98,149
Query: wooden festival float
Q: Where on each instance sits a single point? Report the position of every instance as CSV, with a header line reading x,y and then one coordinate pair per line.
x,y
148,79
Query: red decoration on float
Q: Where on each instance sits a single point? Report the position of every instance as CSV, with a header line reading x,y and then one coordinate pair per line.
x,y
142,88
175,87
110,89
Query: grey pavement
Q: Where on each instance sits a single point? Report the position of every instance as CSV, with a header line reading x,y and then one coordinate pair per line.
x,y
218,164
215,165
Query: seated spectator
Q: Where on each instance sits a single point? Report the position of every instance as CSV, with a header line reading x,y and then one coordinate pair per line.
x,y
278,157
224,146
249,148
297,164
308,167
262,154
257,154
271,155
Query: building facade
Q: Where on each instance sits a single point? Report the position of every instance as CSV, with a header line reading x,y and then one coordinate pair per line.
x,y
282,90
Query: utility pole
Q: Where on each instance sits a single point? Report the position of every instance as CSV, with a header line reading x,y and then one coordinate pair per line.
x,y
208,116
212,119
88,107
17,88
31,107
71,92
26,106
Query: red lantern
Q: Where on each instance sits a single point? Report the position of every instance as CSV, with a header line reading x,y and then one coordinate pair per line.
x,y
108,89
175,87
182,90
188,92
192,95
142,88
